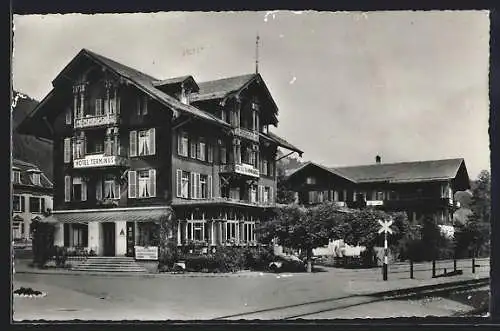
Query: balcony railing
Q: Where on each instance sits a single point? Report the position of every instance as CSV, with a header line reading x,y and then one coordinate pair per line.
x,y
95,120
242,169
247,134
223,200
99,160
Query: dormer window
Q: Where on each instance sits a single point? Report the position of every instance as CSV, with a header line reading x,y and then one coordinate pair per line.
x,y
35,178
16,177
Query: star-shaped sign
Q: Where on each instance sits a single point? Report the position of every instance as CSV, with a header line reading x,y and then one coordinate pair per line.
x,y
385,226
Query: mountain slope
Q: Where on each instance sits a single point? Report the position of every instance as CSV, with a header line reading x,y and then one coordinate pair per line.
x,y
25,147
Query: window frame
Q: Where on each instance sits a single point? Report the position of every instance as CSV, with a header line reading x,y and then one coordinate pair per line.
x,y
39,208
16,176
19,197
185,181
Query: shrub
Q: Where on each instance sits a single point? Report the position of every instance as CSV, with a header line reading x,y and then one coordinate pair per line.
x,y
61,256
229,259
168,257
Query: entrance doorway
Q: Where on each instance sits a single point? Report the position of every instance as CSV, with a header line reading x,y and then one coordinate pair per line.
x,y
108,230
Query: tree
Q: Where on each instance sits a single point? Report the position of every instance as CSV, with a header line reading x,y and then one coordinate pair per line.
x,y
284,193
297,228
472,232
43,241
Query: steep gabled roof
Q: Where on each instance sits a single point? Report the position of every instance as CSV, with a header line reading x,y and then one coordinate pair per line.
x,y
145,83
402,172
220,88
313,164
26,169
177,81
280,142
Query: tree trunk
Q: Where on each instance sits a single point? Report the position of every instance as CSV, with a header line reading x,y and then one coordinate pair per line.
x,y
309,260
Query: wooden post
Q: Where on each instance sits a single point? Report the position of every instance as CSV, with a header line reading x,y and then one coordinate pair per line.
x,y
411,269
473,265
455,265
433,268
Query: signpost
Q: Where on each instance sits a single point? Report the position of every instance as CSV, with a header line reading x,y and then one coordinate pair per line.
x,y
385,228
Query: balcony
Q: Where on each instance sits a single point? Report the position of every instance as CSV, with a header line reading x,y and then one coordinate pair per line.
x,y
221,200
99,161
241,169
246,134
90,121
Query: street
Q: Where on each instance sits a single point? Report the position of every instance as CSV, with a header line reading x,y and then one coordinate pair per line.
x,y
328,293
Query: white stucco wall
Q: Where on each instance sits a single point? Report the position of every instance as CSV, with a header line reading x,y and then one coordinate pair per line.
x,y
59,234
94,236
120,238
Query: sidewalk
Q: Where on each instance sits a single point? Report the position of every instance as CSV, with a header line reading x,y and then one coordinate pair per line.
x,y
23,267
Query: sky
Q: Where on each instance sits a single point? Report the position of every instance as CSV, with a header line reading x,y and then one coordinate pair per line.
x,y
404,85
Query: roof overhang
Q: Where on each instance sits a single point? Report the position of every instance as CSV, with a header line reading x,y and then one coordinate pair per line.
x,y
144,214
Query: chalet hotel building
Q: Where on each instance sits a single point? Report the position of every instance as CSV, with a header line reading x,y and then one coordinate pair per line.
x,y
128,147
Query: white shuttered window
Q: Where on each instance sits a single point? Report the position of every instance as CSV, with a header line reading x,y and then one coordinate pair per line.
x,y
67,188
67,150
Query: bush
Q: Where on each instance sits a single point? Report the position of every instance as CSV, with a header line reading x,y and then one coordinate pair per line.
x,y
61,255
229,259
257,258
168,257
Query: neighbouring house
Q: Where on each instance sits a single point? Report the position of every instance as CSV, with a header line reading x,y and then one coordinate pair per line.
x,y
417,188
129,148
31,198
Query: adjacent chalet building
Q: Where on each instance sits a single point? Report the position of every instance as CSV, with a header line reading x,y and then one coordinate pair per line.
x,y
417,188
31,198
128,146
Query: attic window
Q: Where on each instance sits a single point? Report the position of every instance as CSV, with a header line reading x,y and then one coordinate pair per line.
x,y
16,177
35,178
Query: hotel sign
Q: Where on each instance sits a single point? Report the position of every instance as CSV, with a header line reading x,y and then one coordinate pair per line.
x,y
374,202
100,160
146,253
253,136
245,169
86,122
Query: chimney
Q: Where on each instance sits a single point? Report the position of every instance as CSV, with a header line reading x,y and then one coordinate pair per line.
x,y
378,159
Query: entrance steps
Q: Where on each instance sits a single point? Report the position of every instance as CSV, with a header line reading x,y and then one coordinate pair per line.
x,y
110,264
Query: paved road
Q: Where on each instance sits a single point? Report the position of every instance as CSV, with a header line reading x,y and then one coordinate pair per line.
x,y
333,293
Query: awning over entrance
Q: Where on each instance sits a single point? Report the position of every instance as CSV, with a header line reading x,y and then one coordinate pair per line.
x,y
111,215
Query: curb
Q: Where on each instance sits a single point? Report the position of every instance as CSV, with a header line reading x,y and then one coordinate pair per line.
x,y
136,274
432,289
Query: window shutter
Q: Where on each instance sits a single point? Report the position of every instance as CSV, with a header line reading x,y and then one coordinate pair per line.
x,y
193,185
179,183
261,193
192,151
117,190
84,190
67,188
179,144
152,182
144,105
199,195
133,143
68,116
22,203
198,150
67,150
210,153
271,196
98,106
209,187
132,184
42,207
98,189
152,141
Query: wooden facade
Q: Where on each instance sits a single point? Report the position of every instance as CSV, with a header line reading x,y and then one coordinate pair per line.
x,y
123,139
